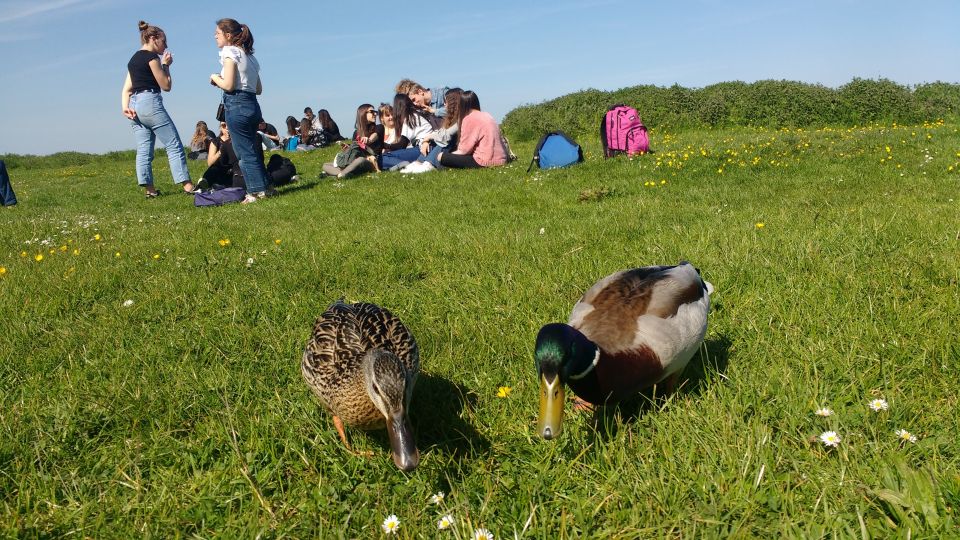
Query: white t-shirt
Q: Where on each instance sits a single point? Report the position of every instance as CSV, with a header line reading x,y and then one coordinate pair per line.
x,y
418,132
247,67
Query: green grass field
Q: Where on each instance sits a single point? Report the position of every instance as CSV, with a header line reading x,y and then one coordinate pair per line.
x,y
150,350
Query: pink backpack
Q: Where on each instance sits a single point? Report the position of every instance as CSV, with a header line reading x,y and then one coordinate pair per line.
x,y
622,131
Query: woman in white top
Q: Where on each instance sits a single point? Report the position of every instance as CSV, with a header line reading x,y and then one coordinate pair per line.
x,y
240,81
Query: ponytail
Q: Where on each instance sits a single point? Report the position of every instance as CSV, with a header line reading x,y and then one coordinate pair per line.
x,y
240,34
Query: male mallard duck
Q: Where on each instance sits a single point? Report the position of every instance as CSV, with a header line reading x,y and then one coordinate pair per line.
x,y
631,330
362,363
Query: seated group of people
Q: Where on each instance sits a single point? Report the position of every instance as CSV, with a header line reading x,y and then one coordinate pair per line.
x,y
423,130
310,132
223,165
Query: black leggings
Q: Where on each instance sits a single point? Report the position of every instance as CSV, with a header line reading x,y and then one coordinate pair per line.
x,y
458,161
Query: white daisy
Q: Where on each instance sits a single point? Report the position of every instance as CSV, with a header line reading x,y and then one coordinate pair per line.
x,y
906,436
250,262
437,497
391,524
830,438
445,522
127,303
877,405
823,411
482,534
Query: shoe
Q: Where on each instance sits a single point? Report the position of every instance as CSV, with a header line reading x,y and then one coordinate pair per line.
x,y
399,166
201,185
153,195
296,178
249,199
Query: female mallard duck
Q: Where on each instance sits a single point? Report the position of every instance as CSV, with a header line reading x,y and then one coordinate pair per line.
x,y
362,363
631,330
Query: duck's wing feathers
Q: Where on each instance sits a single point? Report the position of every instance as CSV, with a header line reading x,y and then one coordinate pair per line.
x,y
334,350
379,328
610,312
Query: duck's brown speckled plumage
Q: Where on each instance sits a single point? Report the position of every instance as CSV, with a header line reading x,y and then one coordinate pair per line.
x,y
332,360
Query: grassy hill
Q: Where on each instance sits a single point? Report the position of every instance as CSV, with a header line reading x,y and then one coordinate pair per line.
x,y
150,350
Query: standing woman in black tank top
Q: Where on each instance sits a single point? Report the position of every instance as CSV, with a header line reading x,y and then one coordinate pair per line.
x,y
148,72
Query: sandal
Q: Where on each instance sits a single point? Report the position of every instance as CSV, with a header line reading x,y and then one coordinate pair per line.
x,y
153,195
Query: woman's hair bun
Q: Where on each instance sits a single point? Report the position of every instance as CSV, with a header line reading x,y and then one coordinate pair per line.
x,y
143,25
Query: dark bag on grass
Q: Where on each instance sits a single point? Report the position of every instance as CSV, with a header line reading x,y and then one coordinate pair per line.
x,y
348,154
280,170
219,197
556,149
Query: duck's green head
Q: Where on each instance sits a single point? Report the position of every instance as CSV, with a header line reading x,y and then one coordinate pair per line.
x,y
562,353
390,388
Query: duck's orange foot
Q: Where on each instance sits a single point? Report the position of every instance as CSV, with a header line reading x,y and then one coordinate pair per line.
x,y
580,405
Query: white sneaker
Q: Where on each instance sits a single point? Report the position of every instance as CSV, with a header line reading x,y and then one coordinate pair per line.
x,y
419,167
249,199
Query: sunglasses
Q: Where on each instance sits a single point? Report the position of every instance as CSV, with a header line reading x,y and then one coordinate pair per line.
x,y
372,112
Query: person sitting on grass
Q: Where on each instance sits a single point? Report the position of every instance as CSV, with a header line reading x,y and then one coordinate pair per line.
x,y
200,141
369,137
308,137
426,99
481,144
329,128
412,124
223,166
443,139
268,135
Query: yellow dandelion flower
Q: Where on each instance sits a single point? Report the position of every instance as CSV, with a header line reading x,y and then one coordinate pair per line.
x,y
759,225
23,253
52,251
76,251
3,270
277,241
224,242
156,256
117,254
63,248
662,182
38,257
504,391
96,237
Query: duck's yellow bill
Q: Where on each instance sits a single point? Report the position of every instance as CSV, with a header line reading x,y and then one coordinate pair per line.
x,y
551,407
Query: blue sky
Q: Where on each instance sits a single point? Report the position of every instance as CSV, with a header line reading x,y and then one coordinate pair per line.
x,y
64,61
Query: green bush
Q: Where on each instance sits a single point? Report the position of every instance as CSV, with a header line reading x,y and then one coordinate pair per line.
x,y
771,104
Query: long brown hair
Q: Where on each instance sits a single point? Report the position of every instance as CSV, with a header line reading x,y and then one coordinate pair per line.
x,y
304,131
363,126
468,102
451,101
200,134
147,32
240,34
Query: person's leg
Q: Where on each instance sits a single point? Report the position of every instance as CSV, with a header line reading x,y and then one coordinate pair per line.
x,y
330,169
390,159
433,155
166,132
458,161
243,116
7,197
359,165
145,139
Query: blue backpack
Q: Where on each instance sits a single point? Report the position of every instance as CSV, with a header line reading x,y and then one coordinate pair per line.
x,y
556,149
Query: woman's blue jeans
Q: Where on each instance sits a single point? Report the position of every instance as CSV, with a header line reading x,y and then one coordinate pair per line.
x,y
389,159
153,122
243,117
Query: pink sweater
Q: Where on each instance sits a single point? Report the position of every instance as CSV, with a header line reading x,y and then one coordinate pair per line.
x,y
480,137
